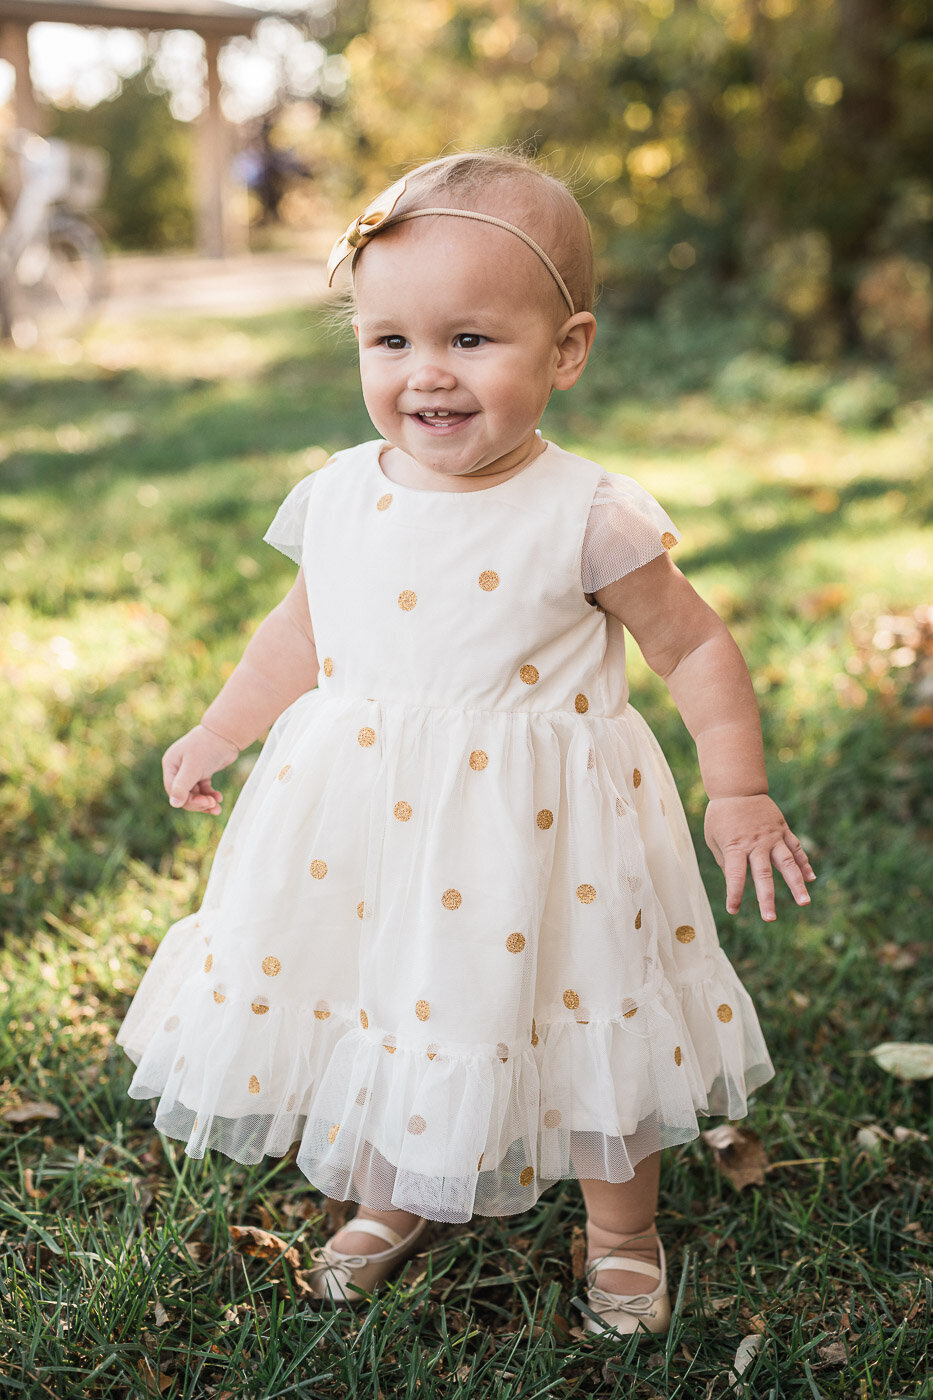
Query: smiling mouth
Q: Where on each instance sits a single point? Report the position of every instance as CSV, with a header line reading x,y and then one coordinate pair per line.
x,y
440,418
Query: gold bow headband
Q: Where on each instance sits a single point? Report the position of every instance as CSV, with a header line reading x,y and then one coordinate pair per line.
x,y
379,215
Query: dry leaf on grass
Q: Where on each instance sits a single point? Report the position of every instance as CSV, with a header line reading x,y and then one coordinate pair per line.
x,y
833,1353
748,1349
739,1154
154,1383
27,1112
907,1059
260,1244
578,1252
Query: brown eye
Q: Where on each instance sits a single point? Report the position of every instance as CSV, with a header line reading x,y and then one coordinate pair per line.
x,y
468,341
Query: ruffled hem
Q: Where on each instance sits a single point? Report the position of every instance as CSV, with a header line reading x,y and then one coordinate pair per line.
x,y
446,1135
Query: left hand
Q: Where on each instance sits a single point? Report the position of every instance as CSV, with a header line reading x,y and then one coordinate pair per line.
x,y
750,832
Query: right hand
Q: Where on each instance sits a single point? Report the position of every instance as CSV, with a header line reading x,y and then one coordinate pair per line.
x,y
189,765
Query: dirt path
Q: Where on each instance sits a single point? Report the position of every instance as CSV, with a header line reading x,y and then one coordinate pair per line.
x,y
148,284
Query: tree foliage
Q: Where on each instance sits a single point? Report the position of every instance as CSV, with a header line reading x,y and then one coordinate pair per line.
x,y
148,202
776,146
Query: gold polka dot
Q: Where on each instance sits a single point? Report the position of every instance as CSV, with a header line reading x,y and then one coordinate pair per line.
x,y
179,1064
534,1032
332,1132
407,599
591,759
416,1125
318,869
271,966
553,1117
502,1051
327,666
663,808
636,778
586,894
581,704
544,820
253,1084
451,899
208,962
582,1023
432,1050
366,737
685,934
631,1009
290,1103
488,580
219,997
479,1165
321,1011
195,1123
526,1176
571,999
668,540
530,675
173,1023
678,1055
638,919
260,1007
515,942
361,909
284,773
724,1012
620,807
478,760
402,811
423,1010
364,1020
389,1045
362,1096
384,502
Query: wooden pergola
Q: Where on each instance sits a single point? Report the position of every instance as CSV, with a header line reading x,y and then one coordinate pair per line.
x,y
214,20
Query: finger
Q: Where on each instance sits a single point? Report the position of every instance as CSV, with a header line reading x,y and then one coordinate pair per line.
x,y
760,866
800,855
793,874
734,866
184,784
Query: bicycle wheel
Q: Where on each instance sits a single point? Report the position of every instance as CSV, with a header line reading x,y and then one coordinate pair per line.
x,y
59,282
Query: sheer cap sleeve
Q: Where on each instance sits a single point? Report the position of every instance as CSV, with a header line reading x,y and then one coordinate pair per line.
x,y
287,529
626,528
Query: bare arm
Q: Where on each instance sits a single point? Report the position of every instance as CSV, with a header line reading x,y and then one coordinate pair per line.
x,y
279,664
691,649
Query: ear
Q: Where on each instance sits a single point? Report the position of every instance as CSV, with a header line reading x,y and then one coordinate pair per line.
x,y
574,342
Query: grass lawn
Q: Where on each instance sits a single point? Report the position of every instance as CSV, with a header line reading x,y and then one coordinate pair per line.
x,y
135,485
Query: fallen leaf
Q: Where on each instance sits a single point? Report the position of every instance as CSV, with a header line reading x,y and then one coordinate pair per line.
x,y
155,1383
905,1058
260,1244
748,1349
834,1353
739,1154
909,1135
26,1112
758,1324
29,1187
869,1139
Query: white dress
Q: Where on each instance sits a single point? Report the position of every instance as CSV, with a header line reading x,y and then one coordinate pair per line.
x,y
454,939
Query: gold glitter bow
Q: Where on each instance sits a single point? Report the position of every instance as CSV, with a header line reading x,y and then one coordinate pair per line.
x,y
361,230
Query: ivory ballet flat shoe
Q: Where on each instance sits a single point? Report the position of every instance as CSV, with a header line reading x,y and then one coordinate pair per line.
x,y
332,1273
628,1312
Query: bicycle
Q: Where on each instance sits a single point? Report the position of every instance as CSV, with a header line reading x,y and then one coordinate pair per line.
x,y
53,268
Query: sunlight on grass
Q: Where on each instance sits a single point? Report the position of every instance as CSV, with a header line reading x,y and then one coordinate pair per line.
x,y
137,484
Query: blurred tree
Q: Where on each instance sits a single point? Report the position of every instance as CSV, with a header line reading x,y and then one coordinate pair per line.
x,y
771,147
148,202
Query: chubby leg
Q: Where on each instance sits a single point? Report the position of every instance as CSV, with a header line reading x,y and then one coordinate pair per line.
x,y
356,1241
620,1220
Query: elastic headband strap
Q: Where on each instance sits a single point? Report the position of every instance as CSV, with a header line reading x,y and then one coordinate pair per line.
x,y
374,220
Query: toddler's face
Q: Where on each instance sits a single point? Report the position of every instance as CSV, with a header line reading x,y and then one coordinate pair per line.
x,y
457,325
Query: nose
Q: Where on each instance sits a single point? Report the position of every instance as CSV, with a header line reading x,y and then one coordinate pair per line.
x,y
429,376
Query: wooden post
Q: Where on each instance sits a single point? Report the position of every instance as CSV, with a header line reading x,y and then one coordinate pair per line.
x,y
213,159
14,47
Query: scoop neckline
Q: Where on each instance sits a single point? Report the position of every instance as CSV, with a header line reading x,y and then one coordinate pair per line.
x,y
382,443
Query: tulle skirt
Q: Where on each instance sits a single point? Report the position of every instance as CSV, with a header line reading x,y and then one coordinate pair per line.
x,y
456,955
